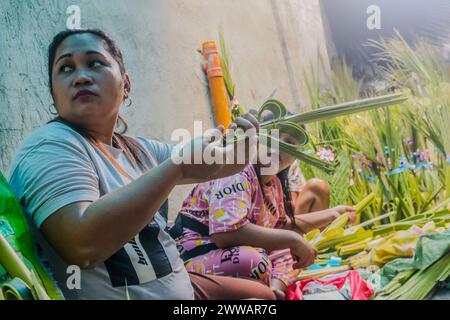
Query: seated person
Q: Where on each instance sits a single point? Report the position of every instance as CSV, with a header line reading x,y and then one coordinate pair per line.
x,y
307,195
95,196
244,226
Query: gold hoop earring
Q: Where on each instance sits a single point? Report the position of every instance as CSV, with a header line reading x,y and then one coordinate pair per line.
x,y
51,111
130,102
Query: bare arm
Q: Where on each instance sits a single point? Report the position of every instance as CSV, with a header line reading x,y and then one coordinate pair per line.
x,y
256,236
268,239
88,233
316,220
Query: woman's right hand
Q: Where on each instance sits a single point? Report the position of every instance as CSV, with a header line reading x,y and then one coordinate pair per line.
x,y
195,168
303,252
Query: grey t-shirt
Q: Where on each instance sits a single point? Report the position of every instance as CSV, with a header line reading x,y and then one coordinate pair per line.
x,y
56,166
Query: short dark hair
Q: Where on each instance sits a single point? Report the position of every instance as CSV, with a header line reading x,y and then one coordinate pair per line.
x,y
132,149
112,48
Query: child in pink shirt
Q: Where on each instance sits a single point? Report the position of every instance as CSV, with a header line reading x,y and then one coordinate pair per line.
x,y
243,226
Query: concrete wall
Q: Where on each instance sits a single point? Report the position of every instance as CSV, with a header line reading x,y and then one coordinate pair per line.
x,y
159,39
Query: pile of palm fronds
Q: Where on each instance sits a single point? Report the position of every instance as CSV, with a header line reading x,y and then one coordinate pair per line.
x,y
398,158
401,154
392,163
416,284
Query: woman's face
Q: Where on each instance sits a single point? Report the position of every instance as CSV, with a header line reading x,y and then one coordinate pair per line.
x,y
285,159
88,86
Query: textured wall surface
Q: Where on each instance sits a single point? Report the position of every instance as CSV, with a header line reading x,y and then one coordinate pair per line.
x,y
159,39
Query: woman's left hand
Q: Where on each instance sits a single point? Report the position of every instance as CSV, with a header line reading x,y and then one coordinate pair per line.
x,y
304,223
339,210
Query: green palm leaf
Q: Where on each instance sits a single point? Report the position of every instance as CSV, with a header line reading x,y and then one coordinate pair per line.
x,y
343,109
291,124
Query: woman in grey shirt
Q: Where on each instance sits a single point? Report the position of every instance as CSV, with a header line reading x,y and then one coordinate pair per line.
x,y
95,197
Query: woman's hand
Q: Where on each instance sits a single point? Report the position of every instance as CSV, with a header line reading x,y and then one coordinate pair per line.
x,y
339,210
206,158
303,252
304,223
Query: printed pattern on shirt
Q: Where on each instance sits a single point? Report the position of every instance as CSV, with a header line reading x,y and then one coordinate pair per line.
x,y
226,205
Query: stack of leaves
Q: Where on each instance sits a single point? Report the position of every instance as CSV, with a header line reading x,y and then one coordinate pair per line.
x,y
24,285
417,285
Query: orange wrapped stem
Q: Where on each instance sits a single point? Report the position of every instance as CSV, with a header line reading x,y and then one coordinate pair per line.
x,y
216,84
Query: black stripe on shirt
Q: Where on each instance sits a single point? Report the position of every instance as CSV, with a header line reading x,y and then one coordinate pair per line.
x,y
155,251
120,269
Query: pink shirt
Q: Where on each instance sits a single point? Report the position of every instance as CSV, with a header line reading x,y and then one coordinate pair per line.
x,y
228,204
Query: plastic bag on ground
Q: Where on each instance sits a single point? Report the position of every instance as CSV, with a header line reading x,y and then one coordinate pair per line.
x,y
352,285
14,228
